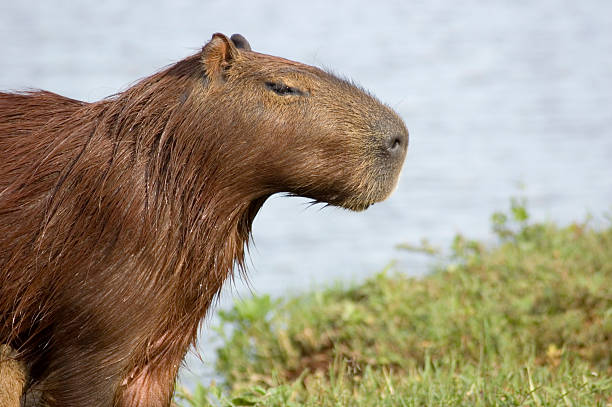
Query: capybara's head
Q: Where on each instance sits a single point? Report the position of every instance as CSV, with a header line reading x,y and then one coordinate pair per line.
x,y
308,132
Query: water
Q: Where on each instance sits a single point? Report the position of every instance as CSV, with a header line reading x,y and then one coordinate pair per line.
x,y
502,98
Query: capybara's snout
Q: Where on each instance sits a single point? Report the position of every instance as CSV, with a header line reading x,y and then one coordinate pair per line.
x,y
393,139
386,156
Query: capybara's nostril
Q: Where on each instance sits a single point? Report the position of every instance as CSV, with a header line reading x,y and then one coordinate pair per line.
x,y
396,143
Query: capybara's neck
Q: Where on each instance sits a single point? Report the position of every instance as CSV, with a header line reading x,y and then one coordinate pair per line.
x,y
104,186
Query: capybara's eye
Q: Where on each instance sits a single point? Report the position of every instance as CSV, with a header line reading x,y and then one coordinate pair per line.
x,y
281,89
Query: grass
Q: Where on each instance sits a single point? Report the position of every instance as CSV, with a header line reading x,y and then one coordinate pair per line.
x,y
527,322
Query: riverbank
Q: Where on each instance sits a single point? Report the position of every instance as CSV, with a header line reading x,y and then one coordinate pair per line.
x,y
526,322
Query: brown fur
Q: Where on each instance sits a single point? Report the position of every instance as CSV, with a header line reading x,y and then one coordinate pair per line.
x,y
121,219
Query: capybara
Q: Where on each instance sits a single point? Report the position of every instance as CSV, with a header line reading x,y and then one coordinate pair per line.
x,y
121,219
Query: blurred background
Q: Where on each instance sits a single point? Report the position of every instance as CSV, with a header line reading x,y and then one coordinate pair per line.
x,y
502,98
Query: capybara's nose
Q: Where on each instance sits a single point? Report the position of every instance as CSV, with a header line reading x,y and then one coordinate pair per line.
x,y
396,143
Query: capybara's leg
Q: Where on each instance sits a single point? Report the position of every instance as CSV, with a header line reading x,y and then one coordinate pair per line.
x,y
149,387
12,378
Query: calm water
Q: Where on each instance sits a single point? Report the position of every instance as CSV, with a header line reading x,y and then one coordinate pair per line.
x,y
502,98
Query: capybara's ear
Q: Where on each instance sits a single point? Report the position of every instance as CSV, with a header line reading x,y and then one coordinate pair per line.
x,y
218,56
240,42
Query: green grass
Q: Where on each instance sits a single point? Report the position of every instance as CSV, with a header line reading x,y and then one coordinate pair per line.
x,y
527,322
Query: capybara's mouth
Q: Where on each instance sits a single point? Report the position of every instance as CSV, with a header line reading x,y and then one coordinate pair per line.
x,y
361,208
370,193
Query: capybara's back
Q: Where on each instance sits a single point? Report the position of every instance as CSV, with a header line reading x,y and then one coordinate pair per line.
x,y
24,152
121,219
22,116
